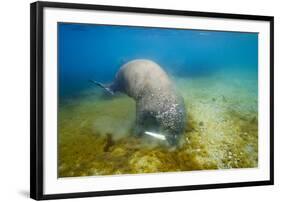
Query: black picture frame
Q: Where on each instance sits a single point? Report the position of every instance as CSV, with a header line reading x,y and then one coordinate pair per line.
x,y
36,98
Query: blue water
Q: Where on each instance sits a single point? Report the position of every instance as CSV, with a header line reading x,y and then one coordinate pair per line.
x,y
216,73
88,51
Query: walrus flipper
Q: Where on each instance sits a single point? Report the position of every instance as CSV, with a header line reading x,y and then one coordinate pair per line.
x,y
104,86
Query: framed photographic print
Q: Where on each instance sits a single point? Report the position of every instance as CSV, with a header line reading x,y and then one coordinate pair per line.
x,y
131,100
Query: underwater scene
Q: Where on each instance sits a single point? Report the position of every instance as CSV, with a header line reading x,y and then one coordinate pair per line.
x,y
138,100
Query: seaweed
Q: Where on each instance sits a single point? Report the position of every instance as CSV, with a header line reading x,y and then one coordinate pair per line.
x,y
96,136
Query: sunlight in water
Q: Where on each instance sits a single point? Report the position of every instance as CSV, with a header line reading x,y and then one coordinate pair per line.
x,y
216,72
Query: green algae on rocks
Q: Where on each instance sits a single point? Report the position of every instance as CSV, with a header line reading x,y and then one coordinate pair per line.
x,y
96,133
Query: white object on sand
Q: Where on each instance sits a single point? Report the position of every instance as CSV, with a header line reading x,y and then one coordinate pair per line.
x,y
156,135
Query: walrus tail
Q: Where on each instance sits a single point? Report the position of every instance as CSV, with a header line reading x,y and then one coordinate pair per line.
x,y
104,86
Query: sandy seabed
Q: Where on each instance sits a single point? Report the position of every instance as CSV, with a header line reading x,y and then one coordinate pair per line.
x,y
96,131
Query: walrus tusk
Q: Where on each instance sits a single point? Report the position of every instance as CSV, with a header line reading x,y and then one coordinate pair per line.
x,y
156,135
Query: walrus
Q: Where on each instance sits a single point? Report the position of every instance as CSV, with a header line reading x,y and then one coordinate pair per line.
x,y
160,109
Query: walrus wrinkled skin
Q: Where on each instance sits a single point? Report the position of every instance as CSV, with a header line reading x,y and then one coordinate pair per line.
x,y
159,107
